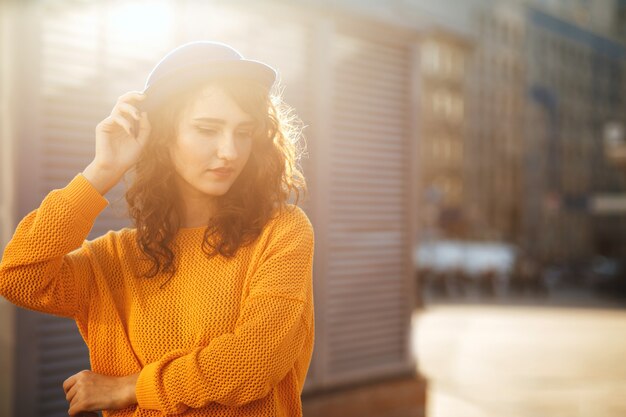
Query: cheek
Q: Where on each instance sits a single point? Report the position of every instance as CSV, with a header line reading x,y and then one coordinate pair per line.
x,y
175,157
246,150
187,153
181,161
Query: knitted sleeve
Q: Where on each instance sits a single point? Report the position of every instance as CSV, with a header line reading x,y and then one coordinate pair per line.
x,y
239,367
43,266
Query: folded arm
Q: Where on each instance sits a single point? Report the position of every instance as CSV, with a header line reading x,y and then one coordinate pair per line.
x,y
234,369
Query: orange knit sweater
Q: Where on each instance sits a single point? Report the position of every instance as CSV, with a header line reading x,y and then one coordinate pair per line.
x,y
224,337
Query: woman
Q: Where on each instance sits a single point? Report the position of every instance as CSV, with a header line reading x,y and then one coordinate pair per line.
x,y
205,307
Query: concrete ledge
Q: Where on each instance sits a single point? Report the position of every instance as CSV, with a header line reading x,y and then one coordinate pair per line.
x,y
495,361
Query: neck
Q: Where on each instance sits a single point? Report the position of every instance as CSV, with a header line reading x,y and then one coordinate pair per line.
x,y
194,209
196,213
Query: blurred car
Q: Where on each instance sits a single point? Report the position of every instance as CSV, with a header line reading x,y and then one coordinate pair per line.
x,y
451,267
608,276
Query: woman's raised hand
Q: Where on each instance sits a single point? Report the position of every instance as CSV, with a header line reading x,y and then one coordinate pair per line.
x,y
118,145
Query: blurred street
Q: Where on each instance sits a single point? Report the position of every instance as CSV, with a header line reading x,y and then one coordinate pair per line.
x,y
488,361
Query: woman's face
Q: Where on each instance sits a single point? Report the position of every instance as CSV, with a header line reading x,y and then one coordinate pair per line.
x,y
213,144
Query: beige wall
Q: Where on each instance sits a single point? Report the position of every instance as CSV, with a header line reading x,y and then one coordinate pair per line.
x,y
7,310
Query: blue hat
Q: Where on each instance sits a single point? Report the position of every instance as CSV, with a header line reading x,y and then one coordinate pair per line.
x,y
197,61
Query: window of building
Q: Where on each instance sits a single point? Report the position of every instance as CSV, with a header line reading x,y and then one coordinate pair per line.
x,y
430,57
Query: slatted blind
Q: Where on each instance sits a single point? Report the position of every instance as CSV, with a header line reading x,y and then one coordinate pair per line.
x,y
367,286
6,205
72,100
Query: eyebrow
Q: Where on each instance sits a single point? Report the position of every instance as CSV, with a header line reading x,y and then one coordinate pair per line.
x,y
221,121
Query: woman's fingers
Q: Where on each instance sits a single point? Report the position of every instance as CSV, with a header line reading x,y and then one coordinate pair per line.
x,y
129,113
123,122
69,383
131,95
144,124
69,395
128,109
77,410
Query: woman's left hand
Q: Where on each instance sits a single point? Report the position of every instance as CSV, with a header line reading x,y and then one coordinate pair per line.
x,y
89,391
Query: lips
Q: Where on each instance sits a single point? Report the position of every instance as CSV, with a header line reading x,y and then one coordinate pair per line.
x,y
222,172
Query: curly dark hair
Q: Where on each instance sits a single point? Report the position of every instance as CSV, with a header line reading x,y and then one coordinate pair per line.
x,y
269,179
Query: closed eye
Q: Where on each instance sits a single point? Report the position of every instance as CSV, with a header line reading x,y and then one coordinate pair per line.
x,y
208,131
243,134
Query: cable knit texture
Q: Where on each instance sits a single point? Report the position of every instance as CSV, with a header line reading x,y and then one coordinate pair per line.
x,y
224,337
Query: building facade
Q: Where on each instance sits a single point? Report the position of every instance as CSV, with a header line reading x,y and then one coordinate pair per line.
x,y
441,79
495,127
543,88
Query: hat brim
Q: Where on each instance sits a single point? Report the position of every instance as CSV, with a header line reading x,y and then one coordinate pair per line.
x,y
181,79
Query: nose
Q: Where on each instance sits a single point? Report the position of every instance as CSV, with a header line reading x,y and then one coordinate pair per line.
x,y
227,148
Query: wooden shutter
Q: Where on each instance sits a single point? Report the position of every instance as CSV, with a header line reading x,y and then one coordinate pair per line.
x,y
7,196
54,349
367,290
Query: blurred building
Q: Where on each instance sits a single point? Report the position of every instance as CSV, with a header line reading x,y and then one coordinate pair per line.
x,y
495,127
620,20
595,15
577,86
542,90
440,78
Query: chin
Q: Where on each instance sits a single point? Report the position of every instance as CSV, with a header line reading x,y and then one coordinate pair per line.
x,y
215,191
